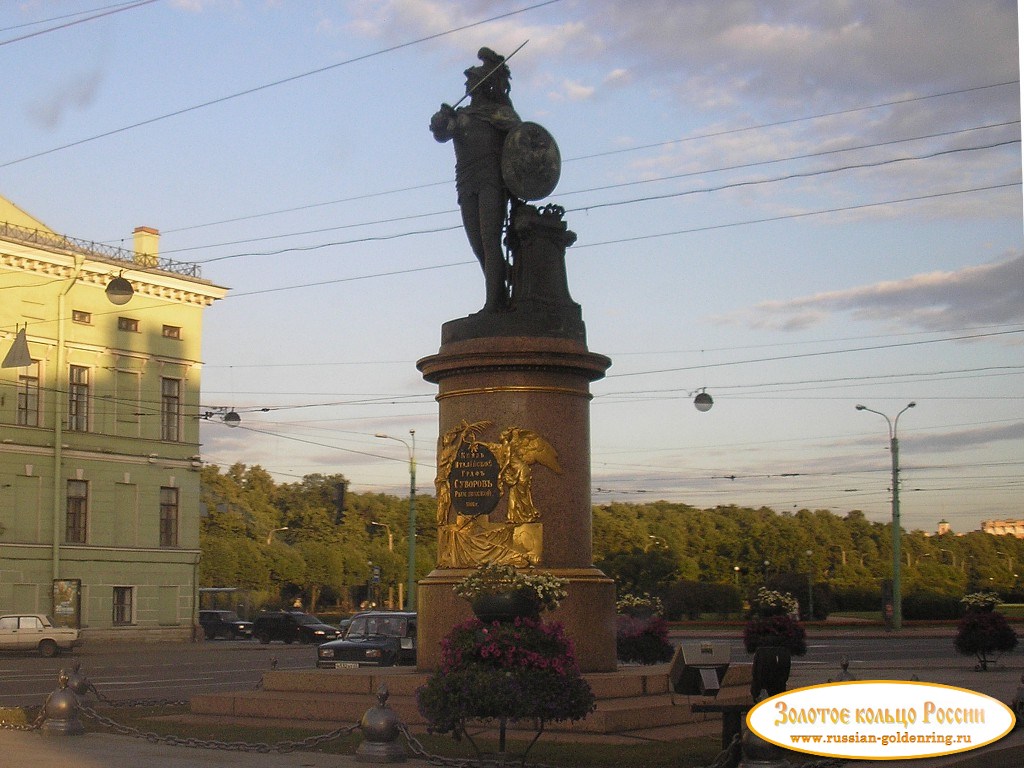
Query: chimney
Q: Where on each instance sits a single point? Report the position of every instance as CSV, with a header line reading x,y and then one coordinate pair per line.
x,y
147,246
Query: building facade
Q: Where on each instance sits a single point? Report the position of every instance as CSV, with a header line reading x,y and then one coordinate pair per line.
x,y
1004,528
99,432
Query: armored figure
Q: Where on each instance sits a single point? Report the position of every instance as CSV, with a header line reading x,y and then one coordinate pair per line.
x,y
478,133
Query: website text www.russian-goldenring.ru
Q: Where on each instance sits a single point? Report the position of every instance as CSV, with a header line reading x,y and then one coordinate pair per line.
x,y
885,739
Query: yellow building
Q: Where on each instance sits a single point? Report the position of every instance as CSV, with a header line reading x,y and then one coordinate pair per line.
x,y
1004,528
99,432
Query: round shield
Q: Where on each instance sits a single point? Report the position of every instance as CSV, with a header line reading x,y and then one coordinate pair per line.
x,y
530,162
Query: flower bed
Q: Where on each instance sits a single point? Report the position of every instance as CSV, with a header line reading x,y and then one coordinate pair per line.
x,y
524,670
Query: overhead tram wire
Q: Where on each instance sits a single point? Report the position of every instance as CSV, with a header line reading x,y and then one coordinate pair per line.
x,y
578,246
791,176
652,146
101,12
452,211
800,355
275,83
790,121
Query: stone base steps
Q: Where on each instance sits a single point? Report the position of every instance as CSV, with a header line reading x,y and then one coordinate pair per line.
x,y
633,699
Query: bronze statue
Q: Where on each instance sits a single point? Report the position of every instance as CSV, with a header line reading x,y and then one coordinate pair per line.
x,y
478,132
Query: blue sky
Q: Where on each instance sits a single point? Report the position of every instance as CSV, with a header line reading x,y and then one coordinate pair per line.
x,y
797,206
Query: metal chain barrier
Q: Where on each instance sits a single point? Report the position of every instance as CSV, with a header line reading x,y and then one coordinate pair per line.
x,y
33,726
308,743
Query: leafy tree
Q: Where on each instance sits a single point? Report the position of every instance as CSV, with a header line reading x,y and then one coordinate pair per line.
x,y
639,572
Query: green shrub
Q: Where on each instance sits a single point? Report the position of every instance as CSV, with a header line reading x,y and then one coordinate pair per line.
x,y
642,640
931,605
856,599
984,632
690,599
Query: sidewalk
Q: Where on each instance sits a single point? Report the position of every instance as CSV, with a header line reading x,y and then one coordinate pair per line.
x,y
99,750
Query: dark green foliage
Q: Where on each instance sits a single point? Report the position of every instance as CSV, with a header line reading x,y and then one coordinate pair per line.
x,y
980,633
797,585
638,571
856,599
775,631
930,605
690,599
642,640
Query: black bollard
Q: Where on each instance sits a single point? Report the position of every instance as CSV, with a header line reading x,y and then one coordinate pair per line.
x,y
380,727
60,711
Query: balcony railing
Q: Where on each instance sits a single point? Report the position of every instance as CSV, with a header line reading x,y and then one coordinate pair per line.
x,y
101,251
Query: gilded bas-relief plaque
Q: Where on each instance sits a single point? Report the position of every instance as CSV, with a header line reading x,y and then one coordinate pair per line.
x,y
473,477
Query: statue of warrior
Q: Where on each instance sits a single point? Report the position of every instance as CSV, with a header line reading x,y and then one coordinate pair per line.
x,y
478,133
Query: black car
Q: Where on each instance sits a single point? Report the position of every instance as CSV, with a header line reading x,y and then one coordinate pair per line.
x,y
373,639
292,627
224,624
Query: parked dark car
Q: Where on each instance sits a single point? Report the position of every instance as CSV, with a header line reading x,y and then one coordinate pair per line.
x,y
373,639
292,627
224,624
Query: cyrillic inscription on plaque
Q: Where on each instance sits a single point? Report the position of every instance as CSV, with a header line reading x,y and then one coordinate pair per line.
x,y
474,480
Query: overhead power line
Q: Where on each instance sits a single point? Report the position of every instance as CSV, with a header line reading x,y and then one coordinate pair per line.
x,y
578,246
274,84
800,355
112,10
453,211
650,146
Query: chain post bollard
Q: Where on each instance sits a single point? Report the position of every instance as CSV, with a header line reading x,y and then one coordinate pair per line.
x,y
844,663
60,711
79,683
380,727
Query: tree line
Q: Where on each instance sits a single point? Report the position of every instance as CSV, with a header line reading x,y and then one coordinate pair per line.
x,y
315,542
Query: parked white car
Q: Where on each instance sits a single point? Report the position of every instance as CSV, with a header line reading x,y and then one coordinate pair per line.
x,y
35,632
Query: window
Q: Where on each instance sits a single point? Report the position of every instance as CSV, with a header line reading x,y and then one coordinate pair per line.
x,y
128,324
79,316
172,332
78,510
168,517
78,399
28,396
170,409
123,598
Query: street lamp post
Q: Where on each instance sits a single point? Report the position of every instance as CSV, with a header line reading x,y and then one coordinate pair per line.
x,y
410,597
894,450
391,550
810,584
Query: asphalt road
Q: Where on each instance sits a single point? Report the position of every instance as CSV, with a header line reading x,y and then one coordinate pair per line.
x,y
164,671
175,672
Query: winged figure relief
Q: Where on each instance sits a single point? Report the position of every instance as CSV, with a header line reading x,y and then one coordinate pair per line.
x,y
518,450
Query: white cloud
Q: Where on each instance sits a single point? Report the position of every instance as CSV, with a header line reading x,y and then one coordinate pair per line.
x,y
989,293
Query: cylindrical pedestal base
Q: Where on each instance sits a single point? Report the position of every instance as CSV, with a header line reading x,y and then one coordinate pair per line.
x,y
515,429
588,615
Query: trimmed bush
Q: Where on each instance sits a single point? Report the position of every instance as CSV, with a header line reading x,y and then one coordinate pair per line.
x,y
931,605
689,599
642,640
